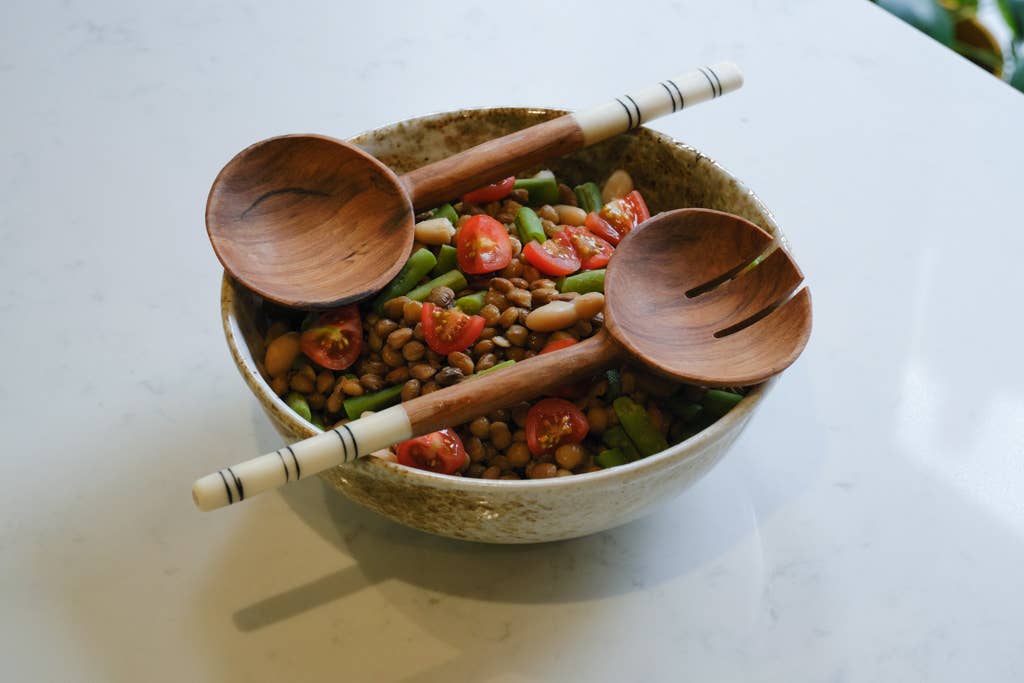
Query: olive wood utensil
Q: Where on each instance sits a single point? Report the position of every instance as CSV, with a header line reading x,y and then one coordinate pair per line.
x,y
313,222
682,298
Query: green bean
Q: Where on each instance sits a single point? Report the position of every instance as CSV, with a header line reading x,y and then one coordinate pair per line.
x,y
357,405
471,303
542,189
684,410
637,423
583,282
447,259
528,224
446,211
297,402
418,265
611,457
616,437
717,402
588,195
453,278
317,422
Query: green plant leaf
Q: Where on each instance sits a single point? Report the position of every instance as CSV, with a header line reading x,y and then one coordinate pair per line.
x,y
1018,77
924,15
1013,12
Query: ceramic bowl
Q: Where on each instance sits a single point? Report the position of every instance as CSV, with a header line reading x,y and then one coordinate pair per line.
x,y
670,175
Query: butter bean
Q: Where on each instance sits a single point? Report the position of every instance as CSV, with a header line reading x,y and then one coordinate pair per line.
x,y
570,215
281,353
618,185
555,315
434,231
589,305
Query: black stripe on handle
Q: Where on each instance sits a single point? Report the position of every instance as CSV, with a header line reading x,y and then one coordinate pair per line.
x,y
343,444
672,97
355,445
714,92
682,102
298,470
287,474
238,485
639,115
629,114
231,498
716,80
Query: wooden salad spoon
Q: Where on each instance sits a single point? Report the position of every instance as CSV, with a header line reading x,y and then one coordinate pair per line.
x,y
313,222
683,298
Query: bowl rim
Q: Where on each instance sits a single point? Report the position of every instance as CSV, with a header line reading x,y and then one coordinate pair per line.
x,y
676,453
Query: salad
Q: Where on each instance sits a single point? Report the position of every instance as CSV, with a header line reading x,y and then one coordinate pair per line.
x,y
509,271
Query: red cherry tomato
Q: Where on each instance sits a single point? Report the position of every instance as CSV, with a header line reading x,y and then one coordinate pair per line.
x,y
335,338
492,192
593,251
482,246
553,422
556,256
557,345
437,452
639,206
626,213
449,330
575,389
602,228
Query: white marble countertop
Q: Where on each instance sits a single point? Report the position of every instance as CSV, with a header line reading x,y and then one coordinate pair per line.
x,y
868,525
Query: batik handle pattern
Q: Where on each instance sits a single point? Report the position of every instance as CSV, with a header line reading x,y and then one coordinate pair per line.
x,y
629,111
303,459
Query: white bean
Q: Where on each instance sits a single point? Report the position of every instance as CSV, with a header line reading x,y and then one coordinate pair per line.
x,y
618,185
434,231
570,215
556,315
588,305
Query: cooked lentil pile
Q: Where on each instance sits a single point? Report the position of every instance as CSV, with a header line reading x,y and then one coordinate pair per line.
x,y
512,270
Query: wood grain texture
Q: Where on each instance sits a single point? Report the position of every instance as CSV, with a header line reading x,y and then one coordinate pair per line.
x,y
695,338
525,380
309,221
486,163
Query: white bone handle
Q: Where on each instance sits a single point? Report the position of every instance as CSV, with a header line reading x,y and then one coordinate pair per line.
x,y
303,459
632,110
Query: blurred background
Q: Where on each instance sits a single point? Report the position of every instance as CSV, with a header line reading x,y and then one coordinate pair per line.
x,y
989,33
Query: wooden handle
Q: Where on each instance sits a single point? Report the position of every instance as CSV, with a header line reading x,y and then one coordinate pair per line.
x,y
496,159
523,381
491,161
452,406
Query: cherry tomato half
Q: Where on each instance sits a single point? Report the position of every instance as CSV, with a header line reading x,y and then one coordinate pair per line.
x,y
557,345
556,256
602,228
437,452
626,213
492,192
449,330
575,389
639,206
593,251
482,246
335,338
553,422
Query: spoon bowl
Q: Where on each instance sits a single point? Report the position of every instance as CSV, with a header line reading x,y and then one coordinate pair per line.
x,y
288,214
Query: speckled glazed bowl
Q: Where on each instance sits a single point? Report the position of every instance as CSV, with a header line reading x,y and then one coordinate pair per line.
x,y
670,175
